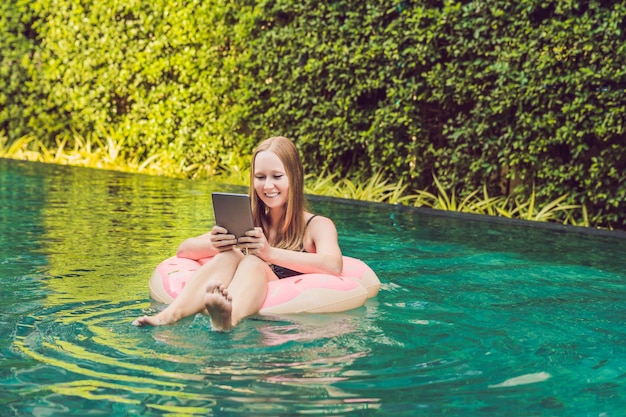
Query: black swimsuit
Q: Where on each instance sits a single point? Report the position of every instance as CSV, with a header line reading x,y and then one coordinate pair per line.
x,y
282,272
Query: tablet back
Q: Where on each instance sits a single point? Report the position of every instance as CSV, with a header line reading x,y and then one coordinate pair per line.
x,y
233,212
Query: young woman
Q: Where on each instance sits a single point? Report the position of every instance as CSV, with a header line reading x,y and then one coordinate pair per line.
x,y
288,240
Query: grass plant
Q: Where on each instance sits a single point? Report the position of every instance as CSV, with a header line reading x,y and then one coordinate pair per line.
x,y
445,200
101,150
104,150
529,211
235,169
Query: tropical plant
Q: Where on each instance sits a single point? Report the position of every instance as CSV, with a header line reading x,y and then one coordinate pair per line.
x,y
234,169
102,150
322,184
516,206
93,151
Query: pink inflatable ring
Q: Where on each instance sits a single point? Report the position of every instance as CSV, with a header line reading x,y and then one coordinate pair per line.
x,y
307,293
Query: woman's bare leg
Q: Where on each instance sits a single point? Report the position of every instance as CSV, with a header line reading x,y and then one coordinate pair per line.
x,y
220,269
244,297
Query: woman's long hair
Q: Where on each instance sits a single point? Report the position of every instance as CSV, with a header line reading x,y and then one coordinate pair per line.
x,y
290,230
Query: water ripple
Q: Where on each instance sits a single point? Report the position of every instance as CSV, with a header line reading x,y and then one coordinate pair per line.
x,y
467,311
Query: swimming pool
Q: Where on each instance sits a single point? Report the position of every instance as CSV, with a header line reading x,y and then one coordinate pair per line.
x,y
474,317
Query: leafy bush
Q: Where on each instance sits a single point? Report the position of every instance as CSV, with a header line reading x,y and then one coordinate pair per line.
x,y
520,99
17,47
144,69
524,97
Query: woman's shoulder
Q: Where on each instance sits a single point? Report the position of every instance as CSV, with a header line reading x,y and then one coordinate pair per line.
x,y
317,220
320,230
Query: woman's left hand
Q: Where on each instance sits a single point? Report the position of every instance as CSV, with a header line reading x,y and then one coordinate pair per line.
x,y
255,243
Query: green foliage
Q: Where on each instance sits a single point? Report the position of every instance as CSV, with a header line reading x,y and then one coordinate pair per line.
x,y
527,210
143,69
94,151
512,206
106,154
235,169
445,200
500,94
17,47
522,100
375,188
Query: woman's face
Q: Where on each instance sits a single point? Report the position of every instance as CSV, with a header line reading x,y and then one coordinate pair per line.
x,y
270,180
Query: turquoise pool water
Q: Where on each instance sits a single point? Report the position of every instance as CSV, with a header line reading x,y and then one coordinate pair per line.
x,y
474,317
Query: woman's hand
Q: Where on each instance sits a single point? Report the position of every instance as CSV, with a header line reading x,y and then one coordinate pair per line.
x,y
221,239
256,243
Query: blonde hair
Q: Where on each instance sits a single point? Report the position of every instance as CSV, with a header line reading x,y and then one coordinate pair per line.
x,y
290,230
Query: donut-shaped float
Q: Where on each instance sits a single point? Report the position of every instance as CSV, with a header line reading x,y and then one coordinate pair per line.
x,y
306,293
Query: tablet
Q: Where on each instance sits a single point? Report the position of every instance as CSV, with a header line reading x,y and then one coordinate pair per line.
x,y
233,212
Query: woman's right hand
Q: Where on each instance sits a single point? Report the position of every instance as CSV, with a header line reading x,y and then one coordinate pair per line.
x,y
222,240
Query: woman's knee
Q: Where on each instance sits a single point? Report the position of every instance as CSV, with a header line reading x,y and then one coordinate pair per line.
x,y
251,261
253,268
232,257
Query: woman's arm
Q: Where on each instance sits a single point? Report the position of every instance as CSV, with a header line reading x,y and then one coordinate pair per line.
x,y
206,245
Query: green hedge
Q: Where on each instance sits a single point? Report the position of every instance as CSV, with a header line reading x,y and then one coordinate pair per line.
x,y
513,95
152,72
17,46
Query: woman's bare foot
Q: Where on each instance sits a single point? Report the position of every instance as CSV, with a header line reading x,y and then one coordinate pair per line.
x,y
156,320
219,306
147,321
